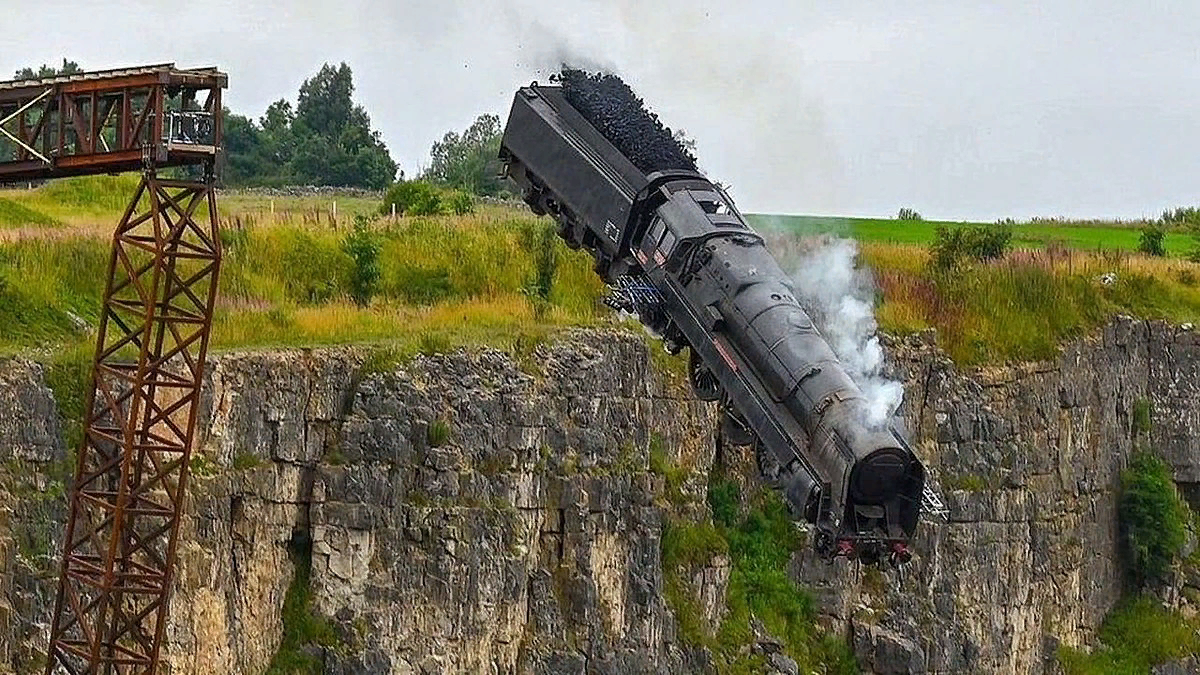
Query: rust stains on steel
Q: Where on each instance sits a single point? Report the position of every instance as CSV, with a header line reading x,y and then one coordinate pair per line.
x,y
132,466
109,121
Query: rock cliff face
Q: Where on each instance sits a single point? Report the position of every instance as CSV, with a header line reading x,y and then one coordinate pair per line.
x,y
1029,458
474,513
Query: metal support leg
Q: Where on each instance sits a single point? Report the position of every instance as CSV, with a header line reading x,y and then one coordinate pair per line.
x,y
131,475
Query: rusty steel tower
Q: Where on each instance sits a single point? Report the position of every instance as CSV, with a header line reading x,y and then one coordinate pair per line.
x,y
131,474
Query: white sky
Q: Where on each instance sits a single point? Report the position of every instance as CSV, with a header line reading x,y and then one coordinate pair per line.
x,y
960,109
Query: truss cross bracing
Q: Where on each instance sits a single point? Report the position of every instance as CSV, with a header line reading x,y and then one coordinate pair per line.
x,y
109,121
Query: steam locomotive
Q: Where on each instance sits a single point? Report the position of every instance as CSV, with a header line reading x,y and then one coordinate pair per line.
x,y
678,253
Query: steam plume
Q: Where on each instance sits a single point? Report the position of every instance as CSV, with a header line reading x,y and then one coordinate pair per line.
x,y
840,296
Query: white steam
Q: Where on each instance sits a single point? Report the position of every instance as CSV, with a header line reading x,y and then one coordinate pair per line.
x,y
841,298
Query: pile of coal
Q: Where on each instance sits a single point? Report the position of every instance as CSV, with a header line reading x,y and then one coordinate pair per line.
x,y
612,107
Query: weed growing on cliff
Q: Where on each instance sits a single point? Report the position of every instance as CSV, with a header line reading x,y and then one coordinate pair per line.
x,y
1153,517
301,626
439,433
246,460
202,467
969,482
69,375
1137,635
685,548
760,546
1141,417
723,499
661,464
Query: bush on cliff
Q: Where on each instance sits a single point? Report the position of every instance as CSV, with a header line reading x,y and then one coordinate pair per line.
x,y
1153,518
759,543
1136,635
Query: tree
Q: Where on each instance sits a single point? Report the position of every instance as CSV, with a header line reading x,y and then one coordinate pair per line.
x,y
68,68
324,140
325,106
470,161
243,160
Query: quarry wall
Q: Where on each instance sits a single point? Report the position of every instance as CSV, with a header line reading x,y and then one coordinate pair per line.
x,y
473,512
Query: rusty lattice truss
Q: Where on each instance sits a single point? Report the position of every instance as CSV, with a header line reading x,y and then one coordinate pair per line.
x,y
110,120
130,480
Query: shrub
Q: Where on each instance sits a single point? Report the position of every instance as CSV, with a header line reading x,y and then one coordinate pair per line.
x,y
990,242
1152,517
953,246
1152,240
908,214
460,203
414,198
1135,636
1186,218
312,266
363,246
542,242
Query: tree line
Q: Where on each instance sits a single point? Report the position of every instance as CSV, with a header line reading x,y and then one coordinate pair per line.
x,y
325,138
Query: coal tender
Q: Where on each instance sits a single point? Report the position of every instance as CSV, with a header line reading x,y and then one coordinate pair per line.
x,y
678,253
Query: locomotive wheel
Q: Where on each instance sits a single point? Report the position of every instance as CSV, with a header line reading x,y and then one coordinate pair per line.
x,y
704,383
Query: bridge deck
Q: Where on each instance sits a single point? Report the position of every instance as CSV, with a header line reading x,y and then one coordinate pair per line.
x,y
109,121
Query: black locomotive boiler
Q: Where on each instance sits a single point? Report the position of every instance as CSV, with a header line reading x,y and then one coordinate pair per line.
x,y
679,254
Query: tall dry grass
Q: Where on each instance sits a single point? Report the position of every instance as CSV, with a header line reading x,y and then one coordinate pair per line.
x,y
1025,304
445,280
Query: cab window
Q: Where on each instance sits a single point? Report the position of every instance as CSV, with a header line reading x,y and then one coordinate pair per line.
x,y
668,242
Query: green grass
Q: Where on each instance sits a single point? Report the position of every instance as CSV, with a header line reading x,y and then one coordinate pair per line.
x,y
73,201
1135,636
47,286
1090,236
450,281
446,282
15,214
760,545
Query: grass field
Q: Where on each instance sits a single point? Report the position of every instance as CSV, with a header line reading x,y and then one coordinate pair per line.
x,y
1092,236
447,280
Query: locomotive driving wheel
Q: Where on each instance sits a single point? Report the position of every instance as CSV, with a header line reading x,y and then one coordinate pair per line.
x,y
704,382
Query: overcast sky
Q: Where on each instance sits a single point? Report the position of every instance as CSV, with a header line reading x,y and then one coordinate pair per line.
x,y
960,109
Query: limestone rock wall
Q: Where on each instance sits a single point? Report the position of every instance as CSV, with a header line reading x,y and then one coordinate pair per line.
x,y
1029,459
467,513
